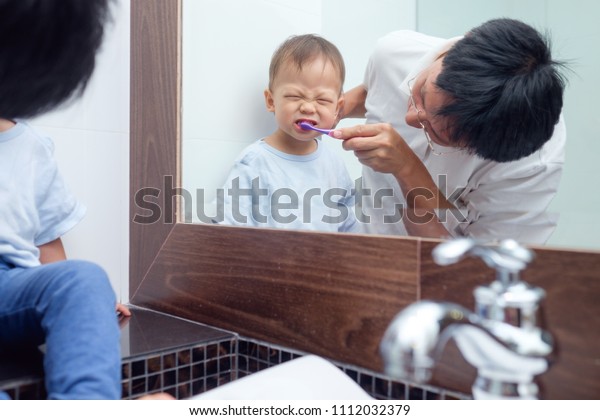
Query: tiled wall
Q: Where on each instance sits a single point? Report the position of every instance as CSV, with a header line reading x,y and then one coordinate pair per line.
x,y
181,372
254,356
191,371
186,372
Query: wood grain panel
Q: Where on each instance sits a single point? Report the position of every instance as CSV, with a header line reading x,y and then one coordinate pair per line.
x,y
572,284
154,123
330,294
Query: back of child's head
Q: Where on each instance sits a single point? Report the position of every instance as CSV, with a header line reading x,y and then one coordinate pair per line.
x,y
47,52
299,50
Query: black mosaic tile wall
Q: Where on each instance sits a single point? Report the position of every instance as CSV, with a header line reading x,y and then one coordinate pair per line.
x,y
21,375
254,356
182,372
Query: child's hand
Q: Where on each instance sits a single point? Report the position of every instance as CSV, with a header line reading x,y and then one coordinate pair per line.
x,y
123,310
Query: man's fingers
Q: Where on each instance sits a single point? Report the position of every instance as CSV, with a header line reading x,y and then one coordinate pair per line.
x,y
362,130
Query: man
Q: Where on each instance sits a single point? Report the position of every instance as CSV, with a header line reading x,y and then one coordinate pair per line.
x,y
464,137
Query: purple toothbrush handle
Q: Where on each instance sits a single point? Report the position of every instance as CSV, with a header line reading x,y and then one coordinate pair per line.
x,y
307,126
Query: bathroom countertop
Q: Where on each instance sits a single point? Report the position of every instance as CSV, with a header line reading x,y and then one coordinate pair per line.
x,y
144,332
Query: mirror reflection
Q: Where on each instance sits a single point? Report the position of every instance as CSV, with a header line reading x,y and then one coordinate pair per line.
x,y
290,178
225,74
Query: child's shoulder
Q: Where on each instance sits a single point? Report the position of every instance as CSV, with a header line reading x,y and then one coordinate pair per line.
x,y
252,153
32,136
30,141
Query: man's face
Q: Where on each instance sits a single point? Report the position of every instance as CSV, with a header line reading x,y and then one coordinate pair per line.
x,y
426,101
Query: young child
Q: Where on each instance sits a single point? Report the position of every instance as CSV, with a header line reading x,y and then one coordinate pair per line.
x,y
68,305
291,179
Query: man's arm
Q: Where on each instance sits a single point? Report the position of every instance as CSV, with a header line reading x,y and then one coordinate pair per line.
x,y
354,105
381,148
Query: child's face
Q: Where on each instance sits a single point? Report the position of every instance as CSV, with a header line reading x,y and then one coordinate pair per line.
x,y
312,95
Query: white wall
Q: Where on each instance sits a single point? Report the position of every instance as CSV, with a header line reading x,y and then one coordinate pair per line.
x,y
91,137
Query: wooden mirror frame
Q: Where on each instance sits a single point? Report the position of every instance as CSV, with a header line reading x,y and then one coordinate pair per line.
x,y
329,294
155,121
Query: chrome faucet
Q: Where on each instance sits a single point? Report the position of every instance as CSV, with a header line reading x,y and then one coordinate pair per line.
x,y
503,338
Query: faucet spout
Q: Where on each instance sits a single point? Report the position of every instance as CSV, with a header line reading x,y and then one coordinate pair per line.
x,y
416,338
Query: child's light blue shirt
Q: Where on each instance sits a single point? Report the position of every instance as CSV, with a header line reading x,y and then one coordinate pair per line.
x,y
36,206
269,188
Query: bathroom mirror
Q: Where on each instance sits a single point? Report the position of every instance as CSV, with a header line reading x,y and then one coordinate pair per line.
x,y
164,162
226,49
328,294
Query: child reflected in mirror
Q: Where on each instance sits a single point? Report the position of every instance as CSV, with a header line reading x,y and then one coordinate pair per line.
x,y
291,178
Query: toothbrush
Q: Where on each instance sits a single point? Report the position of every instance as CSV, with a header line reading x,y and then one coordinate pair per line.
x,y
307,126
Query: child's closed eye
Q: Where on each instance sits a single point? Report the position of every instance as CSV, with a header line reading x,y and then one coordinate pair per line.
x,y
325,101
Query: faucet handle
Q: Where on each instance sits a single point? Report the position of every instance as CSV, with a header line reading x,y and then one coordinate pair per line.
x,y
508,299
507,257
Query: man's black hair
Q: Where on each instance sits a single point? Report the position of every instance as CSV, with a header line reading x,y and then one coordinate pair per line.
x,y
47,52
506,90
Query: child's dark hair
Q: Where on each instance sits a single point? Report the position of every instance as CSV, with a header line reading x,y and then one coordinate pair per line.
x,y
506,90
47,52
302,49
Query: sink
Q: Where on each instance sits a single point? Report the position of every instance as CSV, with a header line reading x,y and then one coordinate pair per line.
x,y
305,378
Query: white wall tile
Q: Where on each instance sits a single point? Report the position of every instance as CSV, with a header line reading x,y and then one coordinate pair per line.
x,y
106,102
92,149
95,167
